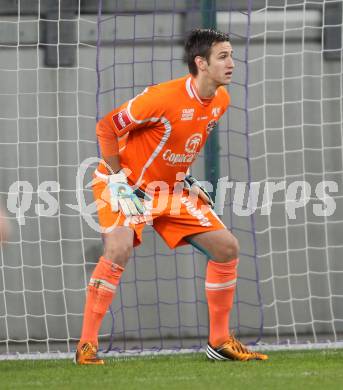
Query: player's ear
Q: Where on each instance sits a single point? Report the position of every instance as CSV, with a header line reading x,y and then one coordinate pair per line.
x,y
200,62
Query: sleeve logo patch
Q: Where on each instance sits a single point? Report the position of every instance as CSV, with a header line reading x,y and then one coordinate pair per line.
x,y
121,121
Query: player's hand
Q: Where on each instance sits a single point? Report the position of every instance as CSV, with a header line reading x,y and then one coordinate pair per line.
x,y
192,184
123,197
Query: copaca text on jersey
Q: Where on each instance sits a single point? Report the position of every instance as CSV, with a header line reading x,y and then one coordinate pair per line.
x,y
191,149
179,158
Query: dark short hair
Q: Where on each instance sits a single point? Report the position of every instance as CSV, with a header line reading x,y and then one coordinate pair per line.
x,y
199,43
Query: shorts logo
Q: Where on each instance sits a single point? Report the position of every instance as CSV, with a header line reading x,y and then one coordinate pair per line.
x,y
192,210
193,143
121,120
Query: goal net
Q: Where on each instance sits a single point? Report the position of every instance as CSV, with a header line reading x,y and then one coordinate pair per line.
x,y
65,64
295,126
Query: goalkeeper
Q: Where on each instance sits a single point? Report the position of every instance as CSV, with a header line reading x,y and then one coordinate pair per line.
x,y
147,146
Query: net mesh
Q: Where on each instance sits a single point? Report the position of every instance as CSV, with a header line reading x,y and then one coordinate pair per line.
x,y
295,110
66,64
47,120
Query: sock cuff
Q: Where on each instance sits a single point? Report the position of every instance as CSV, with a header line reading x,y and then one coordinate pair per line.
x,y
107,272
229,265
110,263
221,272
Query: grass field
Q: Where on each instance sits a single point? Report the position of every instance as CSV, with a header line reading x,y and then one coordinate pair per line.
x,y
285,370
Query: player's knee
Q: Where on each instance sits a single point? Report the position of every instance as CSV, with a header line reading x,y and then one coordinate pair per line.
x,y
229,250
232,249
118,253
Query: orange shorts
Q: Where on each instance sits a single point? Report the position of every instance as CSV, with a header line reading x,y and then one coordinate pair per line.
x,y
174,217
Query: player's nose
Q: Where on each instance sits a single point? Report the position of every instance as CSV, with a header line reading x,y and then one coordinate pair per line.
x,y
230,64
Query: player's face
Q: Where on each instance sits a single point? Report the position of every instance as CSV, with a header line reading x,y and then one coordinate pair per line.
x,y
220,65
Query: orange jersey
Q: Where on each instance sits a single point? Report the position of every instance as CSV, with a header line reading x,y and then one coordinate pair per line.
x,y
162,130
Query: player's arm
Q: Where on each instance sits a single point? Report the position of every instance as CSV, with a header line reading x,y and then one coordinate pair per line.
x,y
140,112
108,145
123,197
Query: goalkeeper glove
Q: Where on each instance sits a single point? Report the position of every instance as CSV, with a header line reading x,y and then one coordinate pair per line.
x,y
123,197
192,184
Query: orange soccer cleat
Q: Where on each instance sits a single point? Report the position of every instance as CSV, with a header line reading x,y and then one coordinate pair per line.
x,y
87,354
232,349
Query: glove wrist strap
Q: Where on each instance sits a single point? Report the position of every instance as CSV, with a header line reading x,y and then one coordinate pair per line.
x,y
118,177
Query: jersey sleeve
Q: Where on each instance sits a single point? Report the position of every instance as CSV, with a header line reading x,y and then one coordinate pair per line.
x,y
147,107
139,112
108,142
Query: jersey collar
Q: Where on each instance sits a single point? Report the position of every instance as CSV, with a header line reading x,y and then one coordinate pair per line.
x,y
193,93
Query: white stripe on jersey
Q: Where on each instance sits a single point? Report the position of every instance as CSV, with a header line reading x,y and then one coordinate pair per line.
x,y
188,87
163,141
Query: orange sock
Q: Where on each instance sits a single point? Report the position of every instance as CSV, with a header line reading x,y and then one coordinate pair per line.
x,y
220,289
100,293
